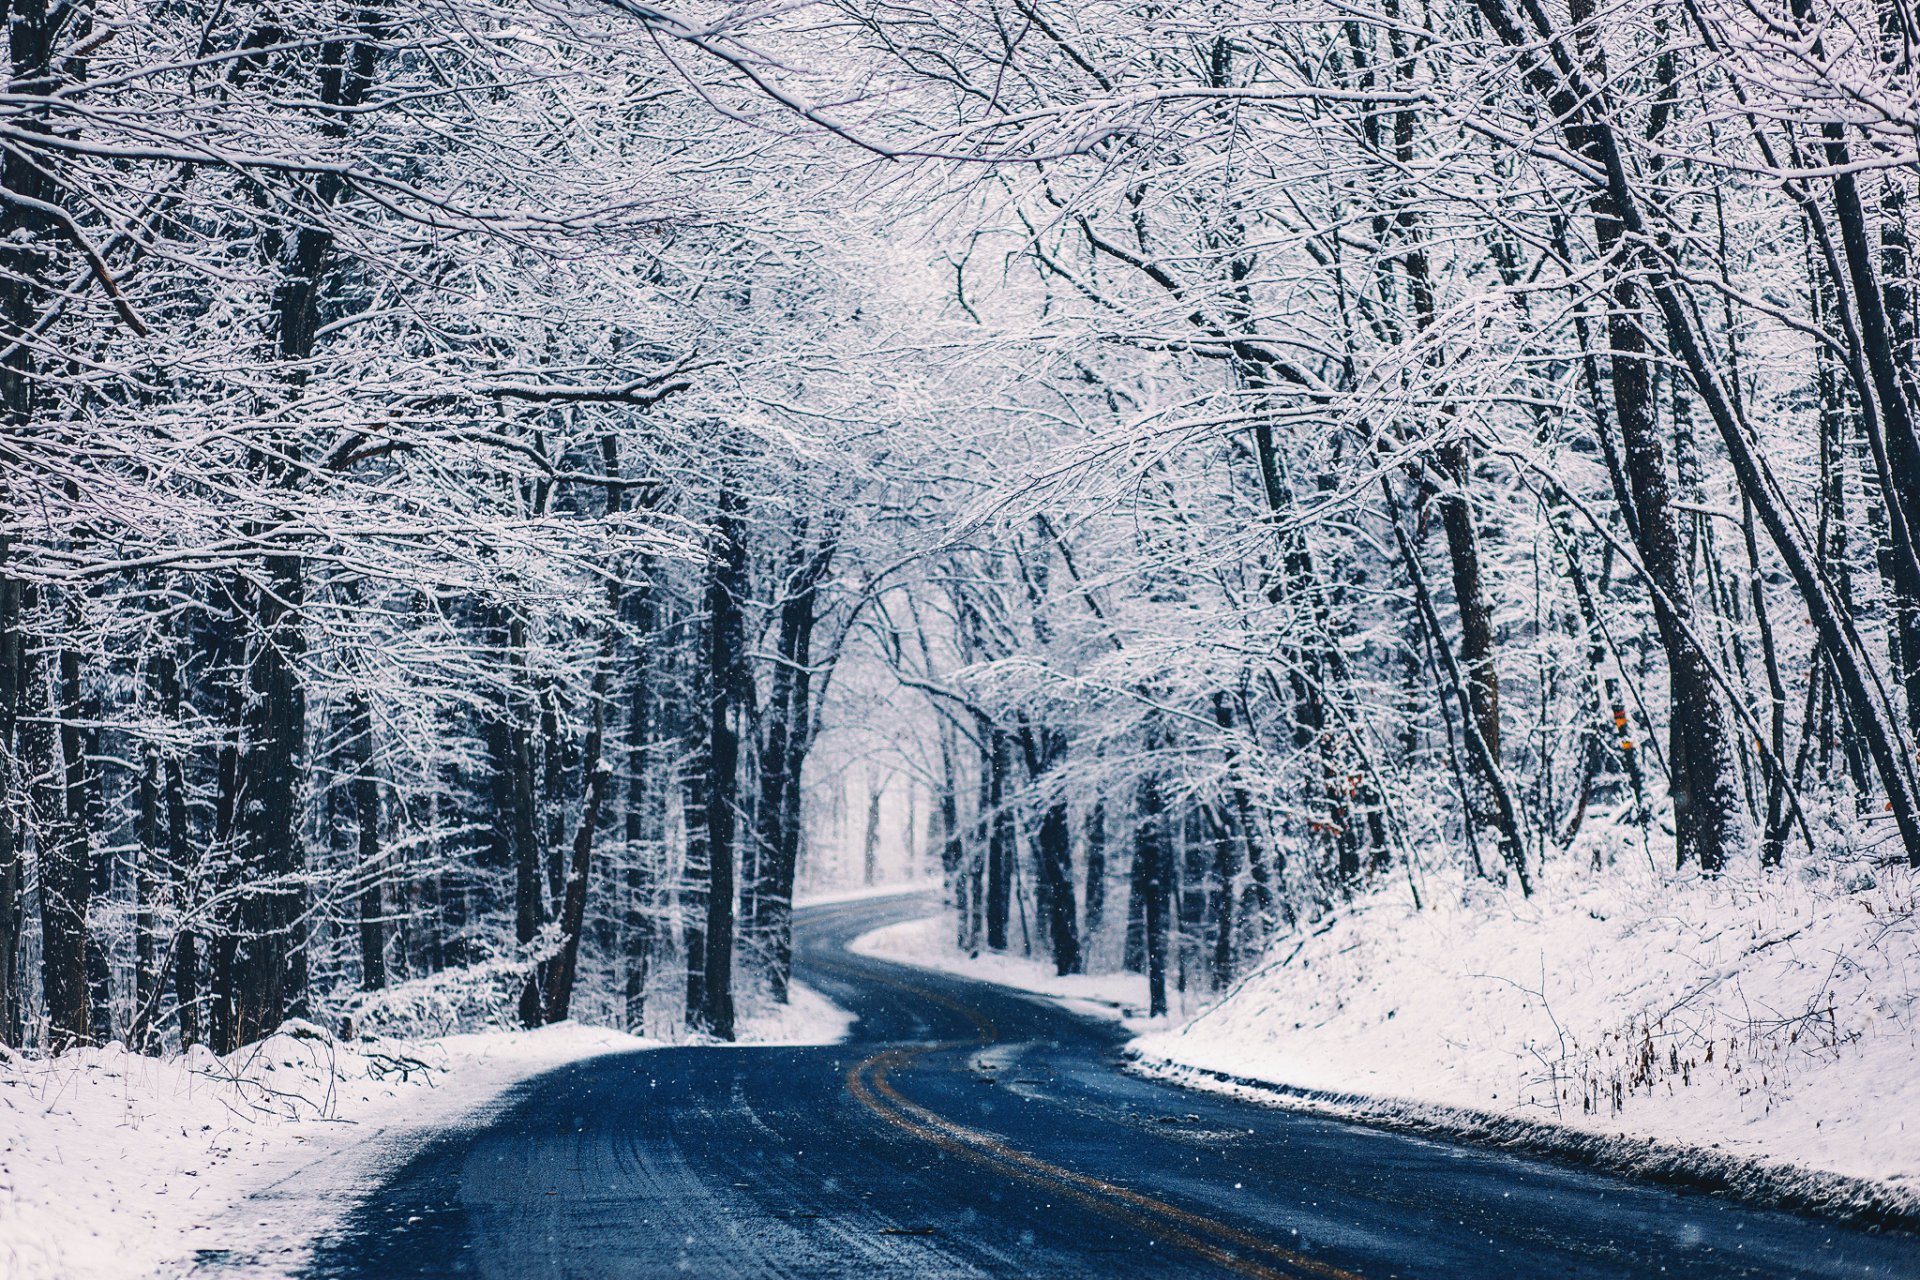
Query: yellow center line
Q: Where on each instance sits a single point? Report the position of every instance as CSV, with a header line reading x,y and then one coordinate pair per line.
x,y
1216,1241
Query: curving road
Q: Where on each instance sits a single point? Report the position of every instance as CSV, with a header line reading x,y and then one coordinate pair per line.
x,y
967,1131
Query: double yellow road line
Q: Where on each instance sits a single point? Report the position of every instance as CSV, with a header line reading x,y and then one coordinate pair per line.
x,y
1230,1247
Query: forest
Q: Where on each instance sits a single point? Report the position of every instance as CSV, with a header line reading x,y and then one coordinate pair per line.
x,y
494,498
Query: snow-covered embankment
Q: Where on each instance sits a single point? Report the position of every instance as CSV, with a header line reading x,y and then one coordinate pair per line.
x,y
1759,1033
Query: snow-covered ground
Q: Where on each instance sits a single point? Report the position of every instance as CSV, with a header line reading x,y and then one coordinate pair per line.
x,y
928,943
866,893
114,1165
1757,1020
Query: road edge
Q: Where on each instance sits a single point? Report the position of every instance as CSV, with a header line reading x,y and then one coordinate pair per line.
x,y
1830,1196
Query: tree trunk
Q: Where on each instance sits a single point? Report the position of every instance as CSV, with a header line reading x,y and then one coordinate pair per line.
x,y
1000,841
23,296
645,817
870,844
66,875
1505,811
508,739
558,1000
1095,910
1055,854
267,970
1153,874
14,672
365,786
727,671
694,884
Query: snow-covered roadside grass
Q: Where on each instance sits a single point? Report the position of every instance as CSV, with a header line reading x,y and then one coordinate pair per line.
x,y
1758,1034
928,943
114,1165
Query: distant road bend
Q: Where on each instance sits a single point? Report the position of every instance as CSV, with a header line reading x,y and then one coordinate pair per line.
x,y
968,1131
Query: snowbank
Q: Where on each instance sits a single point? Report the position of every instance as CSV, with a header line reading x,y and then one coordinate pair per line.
x,y
807,1018
867,893
1760,1020
929,944
115,1165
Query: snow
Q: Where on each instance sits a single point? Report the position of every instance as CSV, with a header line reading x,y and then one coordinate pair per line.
x,y
115,1165
807,1018
867,893
1763,1023
1766,1018
928,943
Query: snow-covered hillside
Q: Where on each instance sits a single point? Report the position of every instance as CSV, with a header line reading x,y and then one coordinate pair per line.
x,y
1769,1017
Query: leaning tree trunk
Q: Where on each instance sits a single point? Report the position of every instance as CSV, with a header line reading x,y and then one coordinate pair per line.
x,y
560,971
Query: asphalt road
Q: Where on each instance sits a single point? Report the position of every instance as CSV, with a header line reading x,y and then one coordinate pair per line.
x,y
967,1131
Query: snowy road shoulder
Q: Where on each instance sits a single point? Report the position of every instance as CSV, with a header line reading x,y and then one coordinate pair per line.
x,y
928,943
115,1165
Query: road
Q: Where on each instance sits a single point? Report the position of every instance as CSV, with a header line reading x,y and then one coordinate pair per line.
x,y
968,1131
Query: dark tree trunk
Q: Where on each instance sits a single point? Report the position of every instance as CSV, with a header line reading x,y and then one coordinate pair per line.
x,y
784,754
514,835
1096,888
1504,809
727,671
1153,879
23,295
148,886
1470,595
645,817
184,949
694,883
1220,890
1000,841
268,965
365,786
66,873
13,675
1054,849
558,1000
1704,795
225,640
